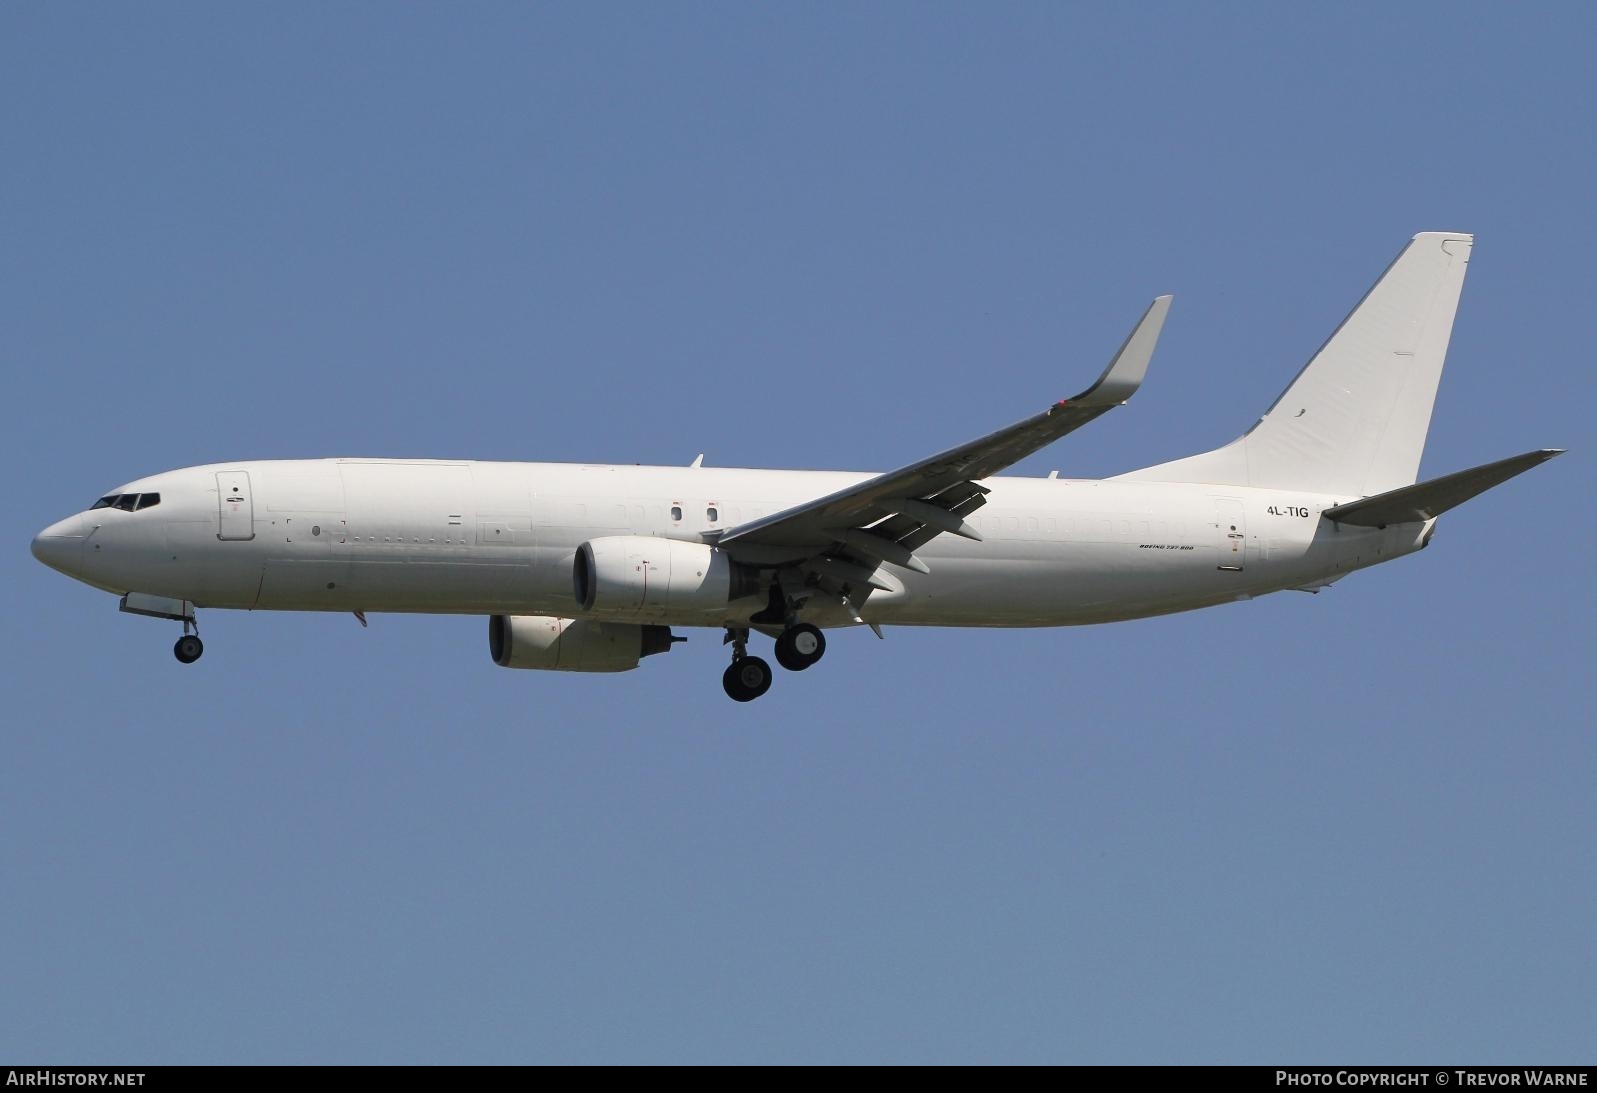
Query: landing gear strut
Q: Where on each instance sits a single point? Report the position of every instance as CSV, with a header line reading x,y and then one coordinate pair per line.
x,y
800,646
748,677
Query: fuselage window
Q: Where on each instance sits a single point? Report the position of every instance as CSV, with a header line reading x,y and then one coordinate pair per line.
x,y
712,514
127,502
148,501
676,512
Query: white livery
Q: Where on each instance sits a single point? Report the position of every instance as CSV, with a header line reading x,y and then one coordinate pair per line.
x,y
588,568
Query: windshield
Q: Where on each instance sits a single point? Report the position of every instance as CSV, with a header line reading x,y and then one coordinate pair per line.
x,y
127,502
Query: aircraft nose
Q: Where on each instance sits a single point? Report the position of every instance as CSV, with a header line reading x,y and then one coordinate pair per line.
x,y
59,545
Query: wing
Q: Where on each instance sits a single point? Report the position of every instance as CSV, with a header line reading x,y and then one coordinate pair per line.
x,y
887,518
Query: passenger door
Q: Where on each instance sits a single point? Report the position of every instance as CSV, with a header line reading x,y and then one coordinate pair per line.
x,y
1232,529
235,507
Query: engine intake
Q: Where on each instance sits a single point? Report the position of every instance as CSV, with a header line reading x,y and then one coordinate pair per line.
x,y
573,645
638,574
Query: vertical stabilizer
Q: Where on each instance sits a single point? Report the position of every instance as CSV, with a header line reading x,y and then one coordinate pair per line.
x,y
1354,421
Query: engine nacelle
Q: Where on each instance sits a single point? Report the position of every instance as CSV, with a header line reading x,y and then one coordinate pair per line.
x,y
623,574
572,645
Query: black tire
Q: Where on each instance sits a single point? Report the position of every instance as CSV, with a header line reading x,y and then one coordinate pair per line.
x,y
800,646
188,649
747,679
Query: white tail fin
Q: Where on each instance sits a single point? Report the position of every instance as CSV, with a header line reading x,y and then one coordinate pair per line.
x,y
1354,421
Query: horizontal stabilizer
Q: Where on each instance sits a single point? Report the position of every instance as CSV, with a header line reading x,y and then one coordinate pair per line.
x,y
1412,504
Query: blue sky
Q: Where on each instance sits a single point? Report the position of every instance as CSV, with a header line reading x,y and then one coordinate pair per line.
x,y
1357,826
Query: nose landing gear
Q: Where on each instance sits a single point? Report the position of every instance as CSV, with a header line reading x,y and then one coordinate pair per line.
x,y
188,648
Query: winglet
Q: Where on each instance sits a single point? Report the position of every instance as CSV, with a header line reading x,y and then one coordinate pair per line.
x,y
1124,374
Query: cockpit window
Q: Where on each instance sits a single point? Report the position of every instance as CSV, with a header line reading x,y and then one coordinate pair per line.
x,y
127,502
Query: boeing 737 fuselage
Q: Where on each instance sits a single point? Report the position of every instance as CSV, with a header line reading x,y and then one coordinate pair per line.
x,y
587,568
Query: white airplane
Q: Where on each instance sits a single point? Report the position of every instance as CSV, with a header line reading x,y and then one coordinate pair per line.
x,y
586,568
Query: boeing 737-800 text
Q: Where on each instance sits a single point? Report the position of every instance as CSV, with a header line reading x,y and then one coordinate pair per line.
x,y
587,568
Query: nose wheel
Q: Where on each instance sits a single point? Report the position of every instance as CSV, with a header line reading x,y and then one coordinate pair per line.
x,y
188,648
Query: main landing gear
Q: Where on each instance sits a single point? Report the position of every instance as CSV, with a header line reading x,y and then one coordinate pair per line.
x,y
748,677
800,646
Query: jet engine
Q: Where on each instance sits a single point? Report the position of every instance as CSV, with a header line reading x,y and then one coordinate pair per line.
x,y
572,645
621,574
